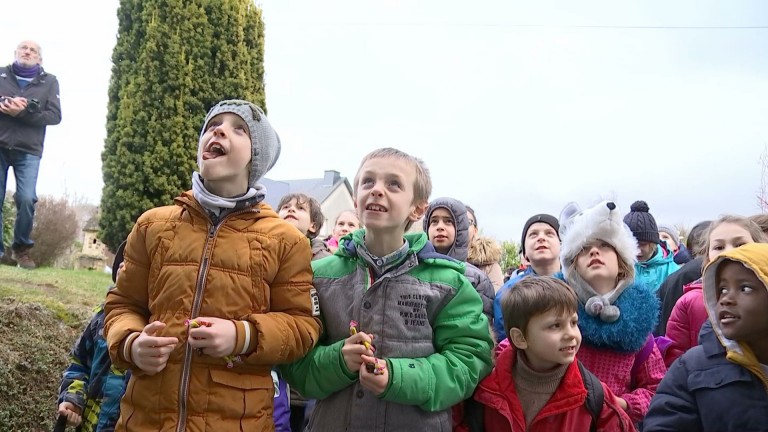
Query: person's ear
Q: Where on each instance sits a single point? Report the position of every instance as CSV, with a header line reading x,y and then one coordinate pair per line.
x,y
312,228
418,211
517,338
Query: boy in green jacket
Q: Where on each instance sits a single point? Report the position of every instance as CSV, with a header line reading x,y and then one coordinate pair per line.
x,y
422,343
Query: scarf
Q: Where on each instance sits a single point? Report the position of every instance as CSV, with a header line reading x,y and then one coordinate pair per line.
x,y
216,204
28,72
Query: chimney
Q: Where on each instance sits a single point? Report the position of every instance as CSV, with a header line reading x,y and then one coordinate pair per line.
x,y
331,177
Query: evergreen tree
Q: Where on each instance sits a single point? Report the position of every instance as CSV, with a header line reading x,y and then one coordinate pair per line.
x,y
172,61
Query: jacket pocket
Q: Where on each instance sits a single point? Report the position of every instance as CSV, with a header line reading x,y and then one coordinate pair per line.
x,y
243,397
717,377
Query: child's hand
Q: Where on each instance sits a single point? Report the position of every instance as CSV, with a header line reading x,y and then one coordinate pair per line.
x,y
374,383
149,352
72,412
622,403
216,340
353,348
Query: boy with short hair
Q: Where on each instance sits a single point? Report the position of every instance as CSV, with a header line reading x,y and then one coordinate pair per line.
x,y
447,226
306,214
537,384
414,311
90,390
720,385
216,290
540,246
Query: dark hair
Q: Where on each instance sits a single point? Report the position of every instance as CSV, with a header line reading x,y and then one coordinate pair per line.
x,y
696,237
472,211
535,295
315,211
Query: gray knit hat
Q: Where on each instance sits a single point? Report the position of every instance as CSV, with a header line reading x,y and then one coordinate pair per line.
x,y
672,231
264,140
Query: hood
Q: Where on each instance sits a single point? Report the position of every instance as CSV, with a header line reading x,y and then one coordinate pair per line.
x,y
661,258
460,248
754,256
484,251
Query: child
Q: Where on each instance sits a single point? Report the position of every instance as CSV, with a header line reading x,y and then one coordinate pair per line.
x,y
654,260
305,213
484,252
445,222
540,248
417,314
346,222
536,385
689,313
216,290
616,315
91,389
721,384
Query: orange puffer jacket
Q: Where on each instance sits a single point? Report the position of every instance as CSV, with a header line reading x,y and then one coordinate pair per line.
x,y
253,268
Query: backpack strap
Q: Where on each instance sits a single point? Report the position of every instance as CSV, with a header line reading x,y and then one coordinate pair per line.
x,y
595,395
473,415
640,358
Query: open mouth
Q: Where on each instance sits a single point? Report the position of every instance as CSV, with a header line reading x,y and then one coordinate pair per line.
x,y
569,350
541,248
213,150
727,317
376,208
595,262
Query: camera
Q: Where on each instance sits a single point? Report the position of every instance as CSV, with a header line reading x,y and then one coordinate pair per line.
x,y
33,105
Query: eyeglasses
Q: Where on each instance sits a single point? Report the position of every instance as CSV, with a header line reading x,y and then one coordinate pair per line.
x,y
31,49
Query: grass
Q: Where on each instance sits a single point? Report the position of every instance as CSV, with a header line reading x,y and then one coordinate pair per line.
x,y
69,294
42,312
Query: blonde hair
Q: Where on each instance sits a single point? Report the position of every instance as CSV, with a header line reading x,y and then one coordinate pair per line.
x,y
751,227
762,221
422,187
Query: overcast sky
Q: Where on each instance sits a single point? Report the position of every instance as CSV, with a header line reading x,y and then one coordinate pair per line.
x,y
516,107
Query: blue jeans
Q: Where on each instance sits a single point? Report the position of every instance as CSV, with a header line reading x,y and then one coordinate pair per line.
x,y
25,169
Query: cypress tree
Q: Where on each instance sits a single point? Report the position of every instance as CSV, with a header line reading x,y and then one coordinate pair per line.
x,y
172,61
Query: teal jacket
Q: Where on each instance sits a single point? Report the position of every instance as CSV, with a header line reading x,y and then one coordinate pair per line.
x,y
654,271
428,324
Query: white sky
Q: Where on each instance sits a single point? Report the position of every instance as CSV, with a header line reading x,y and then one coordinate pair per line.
x,y
516,107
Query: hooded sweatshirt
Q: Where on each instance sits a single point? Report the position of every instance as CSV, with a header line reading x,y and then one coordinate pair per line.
x,y
460,249
718,385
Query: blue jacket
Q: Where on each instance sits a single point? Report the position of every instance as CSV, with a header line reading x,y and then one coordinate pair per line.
x,y
692,395
90,382
653,272
498,316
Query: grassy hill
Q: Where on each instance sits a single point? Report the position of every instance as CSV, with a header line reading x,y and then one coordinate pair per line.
x,y
41,315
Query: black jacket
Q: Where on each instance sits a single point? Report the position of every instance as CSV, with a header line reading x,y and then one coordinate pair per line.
x,y
26,132
672,289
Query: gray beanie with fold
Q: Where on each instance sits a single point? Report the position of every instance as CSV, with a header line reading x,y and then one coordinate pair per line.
x,y
265,143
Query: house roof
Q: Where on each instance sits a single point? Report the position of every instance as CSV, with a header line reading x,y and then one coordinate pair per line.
x,y
317,188
92,224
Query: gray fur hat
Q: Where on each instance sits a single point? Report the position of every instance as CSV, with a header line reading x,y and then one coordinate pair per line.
x,y
264,140
580,227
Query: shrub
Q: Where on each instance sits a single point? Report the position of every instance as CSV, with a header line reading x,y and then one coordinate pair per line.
x,y
54,229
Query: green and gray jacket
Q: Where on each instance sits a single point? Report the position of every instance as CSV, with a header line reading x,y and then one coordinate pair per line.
x,y
429,326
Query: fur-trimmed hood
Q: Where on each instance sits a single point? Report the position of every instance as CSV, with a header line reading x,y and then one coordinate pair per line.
x,y
484,251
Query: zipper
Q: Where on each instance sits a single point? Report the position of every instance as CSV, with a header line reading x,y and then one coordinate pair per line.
x,y
199,290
